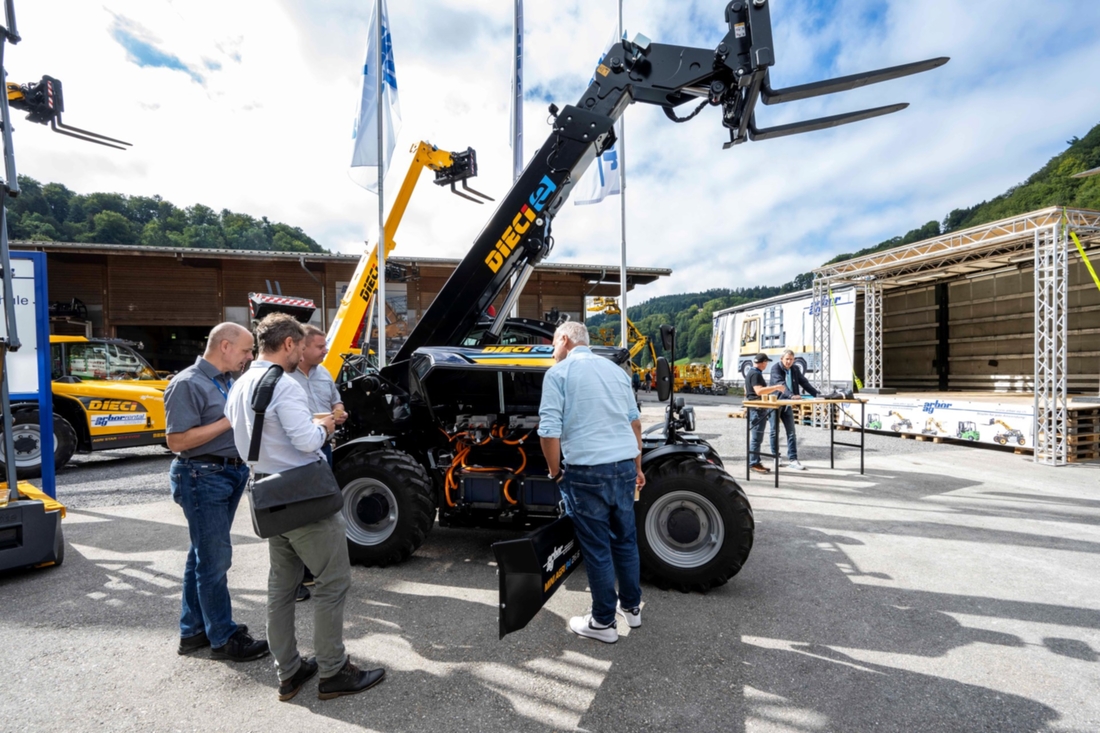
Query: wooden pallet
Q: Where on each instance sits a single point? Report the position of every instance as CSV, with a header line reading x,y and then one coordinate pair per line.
x,y
738,414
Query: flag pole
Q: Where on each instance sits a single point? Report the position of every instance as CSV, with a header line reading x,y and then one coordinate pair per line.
x,y
517,93
380,299
517,117
622,217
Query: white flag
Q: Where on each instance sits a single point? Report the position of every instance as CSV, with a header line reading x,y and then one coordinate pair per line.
x,y
602,177
364,158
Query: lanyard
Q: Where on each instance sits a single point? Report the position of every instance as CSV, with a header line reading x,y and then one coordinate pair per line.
x,y
224,391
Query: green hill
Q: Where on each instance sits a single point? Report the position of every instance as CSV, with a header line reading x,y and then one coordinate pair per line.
x,y
1051,185
53,213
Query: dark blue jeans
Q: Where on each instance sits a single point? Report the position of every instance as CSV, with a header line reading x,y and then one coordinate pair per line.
x,y
786,416
209,494
600,499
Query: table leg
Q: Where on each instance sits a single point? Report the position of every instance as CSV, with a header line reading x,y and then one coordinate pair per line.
x,y
862,433
775,428
832,435
748,437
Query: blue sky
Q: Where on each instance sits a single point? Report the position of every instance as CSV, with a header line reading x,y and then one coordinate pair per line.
x,y
254,115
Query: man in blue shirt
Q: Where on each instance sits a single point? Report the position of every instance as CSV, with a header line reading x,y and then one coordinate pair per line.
x,y
787,374
588,413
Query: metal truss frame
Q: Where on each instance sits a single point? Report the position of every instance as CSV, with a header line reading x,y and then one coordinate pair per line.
x,y
1039,236
872,334
821,308
958,253
1051,357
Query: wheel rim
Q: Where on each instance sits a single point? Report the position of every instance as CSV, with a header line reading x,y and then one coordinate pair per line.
x,y
370,509
685,529
27,440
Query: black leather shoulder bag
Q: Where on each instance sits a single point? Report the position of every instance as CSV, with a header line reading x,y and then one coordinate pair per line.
x,y
287,500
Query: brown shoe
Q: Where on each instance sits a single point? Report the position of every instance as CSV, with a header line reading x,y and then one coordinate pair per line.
x,y
760,468
348,681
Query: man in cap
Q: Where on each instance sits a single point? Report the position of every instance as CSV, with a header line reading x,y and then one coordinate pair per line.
x,y
757,388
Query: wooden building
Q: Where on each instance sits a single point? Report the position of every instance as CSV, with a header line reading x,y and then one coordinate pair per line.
x,y
168,298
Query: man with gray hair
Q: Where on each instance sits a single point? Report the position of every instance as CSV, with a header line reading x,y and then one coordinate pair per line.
x,y
208,478
292,438
589,415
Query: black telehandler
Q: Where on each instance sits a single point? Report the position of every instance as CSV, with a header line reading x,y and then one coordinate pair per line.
x,y
449,428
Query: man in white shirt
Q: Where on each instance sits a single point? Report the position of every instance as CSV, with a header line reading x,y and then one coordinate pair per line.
x,y
293,438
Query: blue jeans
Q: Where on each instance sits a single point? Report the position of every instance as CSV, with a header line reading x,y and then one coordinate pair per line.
x,y
758,418
786,416
600,499
209,494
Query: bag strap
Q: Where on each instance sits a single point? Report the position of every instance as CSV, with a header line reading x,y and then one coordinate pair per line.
x,y
261,398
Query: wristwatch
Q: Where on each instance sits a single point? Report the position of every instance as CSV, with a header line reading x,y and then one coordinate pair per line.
x,y
556,478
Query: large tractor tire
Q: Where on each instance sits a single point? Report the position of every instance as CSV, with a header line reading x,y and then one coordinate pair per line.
x,y
387,506
27,437
695,525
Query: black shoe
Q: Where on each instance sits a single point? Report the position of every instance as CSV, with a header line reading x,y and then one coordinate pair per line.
x,y
189,644
199,641
303,593
308,579
348,681
291,687
240,648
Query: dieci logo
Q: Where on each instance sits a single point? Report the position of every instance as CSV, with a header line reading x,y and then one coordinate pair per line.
x,y
520,224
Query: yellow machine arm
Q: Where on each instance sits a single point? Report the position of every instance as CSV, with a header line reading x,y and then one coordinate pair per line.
x,y
450,168
637,340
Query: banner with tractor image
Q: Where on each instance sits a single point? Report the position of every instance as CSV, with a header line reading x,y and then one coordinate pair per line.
x,y
996,419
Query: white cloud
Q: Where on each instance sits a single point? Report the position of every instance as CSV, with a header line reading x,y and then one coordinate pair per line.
x,y
267,131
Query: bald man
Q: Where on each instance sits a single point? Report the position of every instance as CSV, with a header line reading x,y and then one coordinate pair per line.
x,y
208,479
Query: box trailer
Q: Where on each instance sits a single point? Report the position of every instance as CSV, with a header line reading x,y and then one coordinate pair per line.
x,y
774,325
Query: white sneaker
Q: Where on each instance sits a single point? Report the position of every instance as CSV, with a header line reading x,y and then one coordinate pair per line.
x,y
633,616
586,626
796,466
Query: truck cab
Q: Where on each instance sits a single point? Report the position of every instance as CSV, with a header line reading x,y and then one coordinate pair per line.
x,y
105,395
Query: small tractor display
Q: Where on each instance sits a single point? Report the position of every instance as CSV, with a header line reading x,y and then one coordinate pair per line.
x,y
902,422
448,429
1008,435
968,430
933,427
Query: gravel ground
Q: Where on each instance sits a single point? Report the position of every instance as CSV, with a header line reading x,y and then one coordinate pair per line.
x,y
947,588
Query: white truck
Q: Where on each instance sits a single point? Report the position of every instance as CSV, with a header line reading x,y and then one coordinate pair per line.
x,y
784,322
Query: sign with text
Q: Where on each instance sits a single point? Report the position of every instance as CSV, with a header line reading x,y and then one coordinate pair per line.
x,y
22,366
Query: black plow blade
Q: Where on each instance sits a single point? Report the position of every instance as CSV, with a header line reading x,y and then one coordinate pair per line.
x,y
532,569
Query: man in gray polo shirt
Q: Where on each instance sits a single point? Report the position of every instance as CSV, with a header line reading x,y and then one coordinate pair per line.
x,y
208,478
317,382
323,398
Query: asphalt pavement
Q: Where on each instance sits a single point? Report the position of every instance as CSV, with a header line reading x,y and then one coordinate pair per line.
x,y
949,588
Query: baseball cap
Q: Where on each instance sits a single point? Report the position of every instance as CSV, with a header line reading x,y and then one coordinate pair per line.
x,y
760,357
